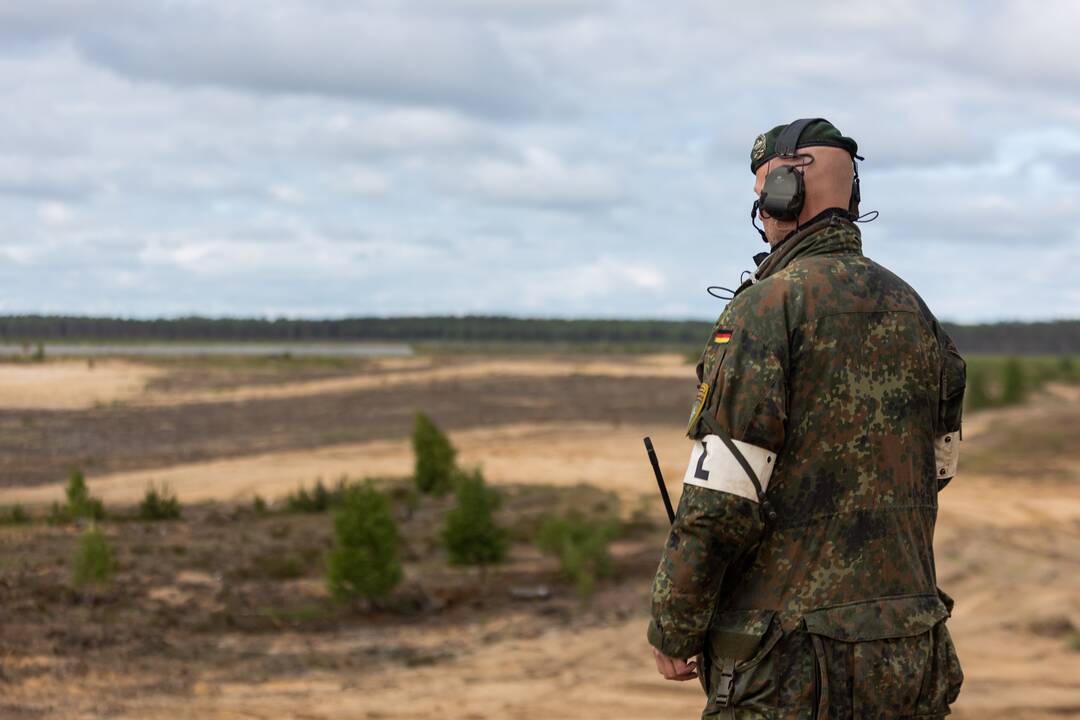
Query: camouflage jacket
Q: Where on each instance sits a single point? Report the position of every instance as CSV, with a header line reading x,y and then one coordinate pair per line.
x,y
828,378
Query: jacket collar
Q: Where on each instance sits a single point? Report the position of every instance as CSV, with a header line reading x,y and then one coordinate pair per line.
x,y
829,235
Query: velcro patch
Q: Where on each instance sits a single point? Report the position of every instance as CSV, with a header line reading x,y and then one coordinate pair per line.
x,y
722,337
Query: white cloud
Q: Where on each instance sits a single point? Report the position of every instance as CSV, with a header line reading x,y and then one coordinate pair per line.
x,y
584,287
288,194
407,130
358,180
54,214
541,178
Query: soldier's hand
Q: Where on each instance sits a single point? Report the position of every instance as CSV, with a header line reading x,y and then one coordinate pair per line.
x,y
673,668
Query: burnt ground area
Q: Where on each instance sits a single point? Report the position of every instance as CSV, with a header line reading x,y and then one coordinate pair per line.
x,y
40,446
209,373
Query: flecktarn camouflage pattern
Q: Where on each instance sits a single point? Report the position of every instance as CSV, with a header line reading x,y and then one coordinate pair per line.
x,y
843,395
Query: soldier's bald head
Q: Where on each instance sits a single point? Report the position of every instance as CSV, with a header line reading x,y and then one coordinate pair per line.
x,y
828,180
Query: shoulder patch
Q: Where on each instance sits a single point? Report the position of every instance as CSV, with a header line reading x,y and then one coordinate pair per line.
x,y
699,405
722,336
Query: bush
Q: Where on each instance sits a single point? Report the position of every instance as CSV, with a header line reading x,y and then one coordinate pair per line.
x,y
258,505
364,561
80,504
1013,386
1066,369
319,500
581,547
434,457
159,504
93,563
57,514
976,395
470,534
15,515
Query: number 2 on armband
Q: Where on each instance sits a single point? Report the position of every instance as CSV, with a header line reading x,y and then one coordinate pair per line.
x,y
700,472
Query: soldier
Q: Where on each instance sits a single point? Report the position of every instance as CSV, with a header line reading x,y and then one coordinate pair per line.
x,y
799,570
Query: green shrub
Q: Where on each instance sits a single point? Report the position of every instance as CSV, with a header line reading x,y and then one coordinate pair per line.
x,y
258,505
1013,384
976,395
581,547
434,457
318,500
93,562
80,504
470,534
1066,369
15,515
159,503
364,561
57,514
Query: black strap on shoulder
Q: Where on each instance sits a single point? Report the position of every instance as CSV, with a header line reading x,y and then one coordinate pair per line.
x,y
763,501
788,142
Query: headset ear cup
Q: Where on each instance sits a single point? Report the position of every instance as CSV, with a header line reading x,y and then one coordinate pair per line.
x,y
783,194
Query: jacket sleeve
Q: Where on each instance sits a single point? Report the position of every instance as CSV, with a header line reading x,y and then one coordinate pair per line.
x,y
947,434
742,395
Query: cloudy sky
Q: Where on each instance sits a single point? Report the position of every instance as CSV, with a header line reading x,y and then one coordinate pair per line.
x,y
572,158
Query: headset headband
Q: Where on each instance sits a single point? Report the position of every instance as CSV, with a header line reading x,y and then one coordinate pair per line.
x,y
788,141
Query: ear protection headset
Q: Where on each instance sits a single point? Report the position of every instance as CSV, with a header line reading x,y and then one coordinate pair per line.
x,y
784,190
783,193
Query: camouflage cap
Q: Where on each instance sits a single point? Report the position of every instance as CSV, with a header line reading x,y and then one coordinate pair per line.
x,y
821,132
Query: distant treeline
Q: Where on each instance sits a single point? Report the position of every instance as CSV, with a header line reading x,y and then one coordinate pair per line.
x,y
1055,337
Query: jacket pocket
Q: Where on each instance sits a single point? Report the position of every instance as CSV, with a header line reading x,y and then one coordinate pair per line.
x,y
953,383
890,657
742,675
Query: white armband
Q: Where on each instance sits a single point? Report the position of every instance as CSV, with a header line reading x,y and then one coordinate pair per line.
x,y
713,466
947,455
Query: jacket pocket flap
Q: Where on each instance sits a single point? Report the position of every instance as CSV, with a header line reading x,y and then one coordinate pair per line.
x,y
879,619
738,633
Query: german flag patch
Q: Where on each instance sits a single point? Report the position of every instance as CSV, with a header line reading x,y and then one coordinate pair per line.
x,y
722,337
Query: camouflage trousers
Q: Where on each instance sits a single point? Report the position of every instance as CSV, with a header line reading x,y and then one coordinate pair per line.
x,y
754,669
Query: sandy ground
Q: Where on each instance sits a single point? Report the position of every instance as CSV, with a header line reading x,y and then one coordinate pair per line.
x,y
79,384
608,456
599,673
64,385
